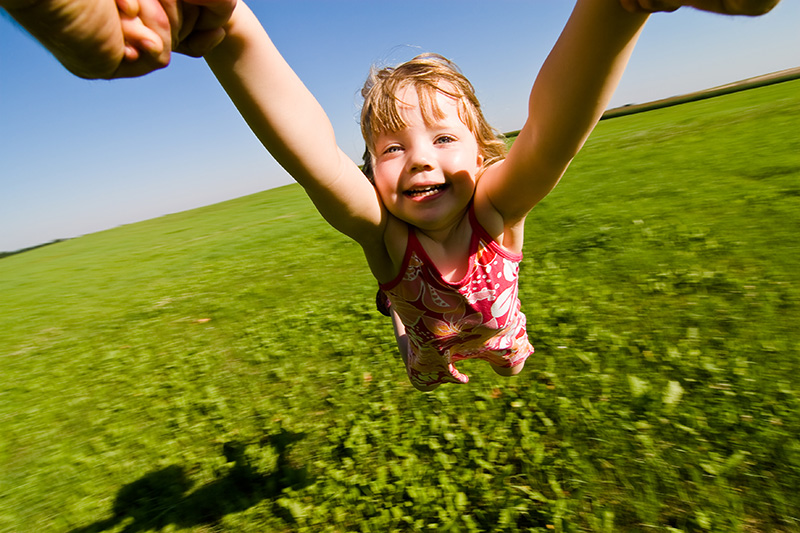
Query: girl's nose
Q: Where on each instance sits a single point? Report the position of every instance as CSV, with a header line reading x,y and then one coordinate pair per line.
x,y
421,166
420,161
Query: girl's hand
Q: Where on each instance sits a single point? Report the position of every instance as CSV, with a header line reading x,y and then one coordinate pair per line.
x,y
725,7
649,6
204,25
153,28
137,36
146,31
197,25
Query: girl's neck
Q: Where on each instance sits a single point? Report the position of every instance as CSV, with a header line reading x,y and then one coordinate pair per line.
x,y
444,234
448,248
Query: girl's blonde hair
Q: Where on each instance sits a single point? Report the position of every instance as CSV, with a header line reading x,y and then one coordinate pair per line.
x,y
428,74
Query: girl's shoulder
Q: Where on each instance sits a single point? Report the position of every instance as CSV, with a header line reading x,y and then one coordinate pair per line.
x,y
395,239
508,234
385,255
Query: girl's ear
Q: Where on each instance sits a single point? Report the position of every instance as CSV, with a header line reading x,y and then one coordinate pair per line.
x,y
366,167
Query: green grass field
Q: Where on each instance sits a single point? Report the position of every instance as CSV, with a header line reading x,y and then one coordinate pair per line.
x,y
224,369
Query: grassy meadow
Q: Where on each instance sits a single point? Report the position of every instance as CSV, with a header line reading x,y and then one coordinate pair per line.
x,y
225,370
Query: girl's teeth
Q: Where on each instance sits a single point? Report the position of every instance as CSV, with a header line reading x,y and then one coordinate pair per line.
x,y
427,191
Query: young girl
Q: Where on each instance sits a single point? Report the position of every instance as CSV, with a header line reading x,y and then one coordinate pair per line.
x,y
441,217
440,213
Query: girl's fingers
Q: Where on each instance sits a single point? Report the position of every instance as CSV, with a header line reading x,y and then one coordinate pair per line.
x,y
131,53
153,16
140,38
129,8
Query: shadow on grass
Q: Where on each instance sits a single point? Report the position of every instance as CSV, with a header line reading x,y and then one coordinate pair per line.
x,y
165,497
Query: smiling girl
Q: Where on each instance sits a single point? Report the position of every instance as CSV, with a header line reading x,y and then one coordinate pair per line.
x,y
440,214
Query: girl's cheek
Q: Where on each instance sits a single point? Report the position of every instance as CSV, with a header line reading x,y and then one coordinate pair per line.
x,y
386,173
382,181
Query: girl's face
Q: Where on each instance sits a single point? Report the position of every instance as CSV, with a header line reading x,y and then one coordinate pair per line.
x,y
426,174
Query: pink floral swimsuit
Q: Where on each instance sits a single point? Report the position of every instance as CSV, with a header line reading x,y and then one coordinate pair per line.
x,y
478,317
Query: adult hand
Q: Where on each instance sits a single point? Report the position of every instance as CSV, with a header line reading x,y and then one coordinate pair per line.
x,y
86,35
725,7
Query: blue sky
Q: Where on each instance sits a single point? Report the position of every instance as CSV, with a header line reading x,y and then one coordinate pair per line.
x,y
80,156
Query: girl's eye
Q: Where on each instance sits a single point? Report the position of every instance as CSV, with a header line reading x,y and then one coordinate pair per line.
x,y
392,149
444,139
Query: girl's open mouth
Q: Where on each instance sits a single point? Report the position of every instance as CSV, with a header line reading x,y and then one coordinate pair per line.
x,y
424,192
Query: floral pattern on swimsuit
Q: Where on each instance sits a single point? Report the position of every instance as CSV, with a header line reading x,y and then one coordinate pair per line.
x,y
478,317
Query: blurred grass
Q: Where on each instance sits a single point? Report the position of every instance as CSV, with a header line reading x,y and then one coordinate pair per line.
x,y
224,369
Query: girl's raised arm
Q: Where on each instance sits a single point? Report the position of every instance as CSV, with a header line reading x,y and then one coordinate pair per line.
x,y
291,124
570,94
